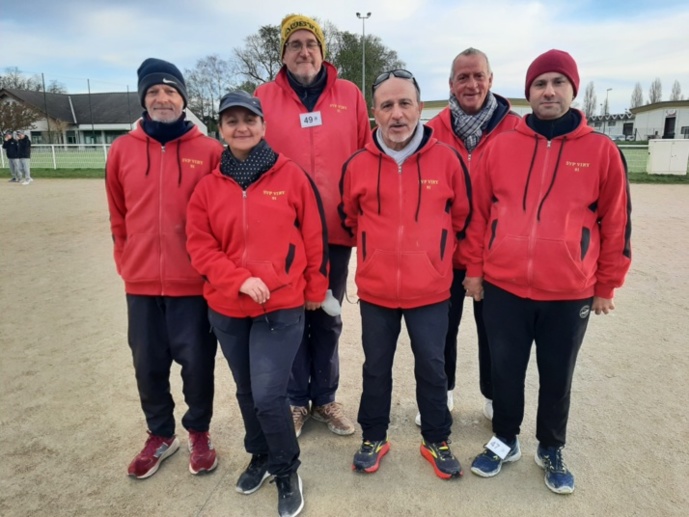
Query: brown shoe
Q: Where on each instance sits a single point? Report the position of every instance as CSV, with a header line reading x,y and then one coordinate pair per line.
x,y
333,415
300,415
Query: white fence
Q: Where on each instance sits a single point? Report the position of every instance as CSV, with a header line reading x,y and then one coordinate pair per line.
x,y
67,156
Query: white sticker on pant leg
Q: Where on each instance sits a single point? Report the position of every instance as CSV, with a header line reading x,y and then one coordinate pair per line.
x,y
498,447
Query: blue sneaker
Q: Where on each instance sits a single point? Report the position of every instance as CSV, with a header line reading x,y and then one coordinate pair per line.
x,y
558,478
488,464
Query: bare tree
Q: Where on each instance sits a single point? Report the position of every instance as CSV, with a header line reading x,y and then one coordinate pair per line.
x,y
260,60
676,94
637,96
16,115
13,78
590,100
56,87
207,82
655,92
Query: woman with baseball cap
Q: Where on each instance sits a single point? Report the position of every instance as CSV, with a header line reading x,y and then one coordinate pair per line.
x,y
256,232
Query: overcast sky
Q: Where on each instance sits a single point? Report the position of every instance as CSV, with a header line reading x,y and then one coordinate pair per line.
x,y
615,43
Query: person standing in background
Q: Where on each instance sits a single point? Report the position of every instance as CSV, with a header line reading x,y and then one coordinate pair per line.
x,y
24,148
12,152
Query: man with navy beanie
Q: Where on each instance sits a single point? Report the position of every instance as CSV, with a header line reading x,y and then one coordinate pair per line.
x,y
548,245
150,176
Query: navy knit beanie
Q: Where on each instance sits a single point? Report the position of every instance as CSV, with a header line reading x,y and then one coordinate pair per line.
x,y
156,71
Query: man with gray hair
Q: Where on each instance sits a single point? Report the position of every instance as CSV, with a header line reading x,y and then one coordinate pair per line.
x,y
473,117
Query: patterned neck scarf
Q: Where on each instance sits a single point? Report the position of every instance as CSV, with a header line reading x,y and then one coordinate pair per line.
x,y
260,159
469,128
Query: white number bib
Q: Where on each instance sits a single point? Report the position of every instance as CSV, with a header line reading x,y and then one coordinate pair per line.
x,y
311,119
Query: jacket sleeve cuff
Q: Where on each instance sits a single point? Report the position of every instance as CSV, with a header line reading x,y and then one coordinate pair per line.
x,y
474,270
604,291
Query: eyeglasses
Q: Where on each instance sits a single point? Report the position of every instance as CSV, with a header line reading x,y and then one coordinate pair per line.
x,y
296,46
400,73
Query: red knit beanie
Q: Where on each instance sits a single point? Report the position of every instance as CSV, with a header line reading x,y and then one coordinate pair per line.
x,y
553,61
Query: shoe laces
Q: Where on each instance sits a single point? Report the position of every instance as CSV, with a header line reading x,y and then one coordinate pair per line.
x,y
442,450
333,410
284,485
553,460
153,443
299,413
200,441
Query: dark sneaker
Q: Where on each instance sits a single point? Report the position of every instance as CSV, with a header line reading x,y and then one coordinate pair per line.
x,y
333,415
300,415
156,449
558,477
488,463
254,475
290,496
202,457
439,455
367,458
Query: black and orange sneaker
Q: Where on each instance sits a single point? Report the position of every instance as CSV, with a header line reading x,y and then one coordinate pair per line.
x,y
439,455
367,458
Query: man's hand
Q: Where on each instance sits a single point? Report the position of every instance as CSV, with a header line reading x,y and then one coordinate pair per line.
x,y
602,305
473,286
256,289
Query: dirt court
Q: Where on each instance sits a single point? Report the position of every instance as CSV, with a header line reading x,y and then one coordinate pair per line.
x,y
70,420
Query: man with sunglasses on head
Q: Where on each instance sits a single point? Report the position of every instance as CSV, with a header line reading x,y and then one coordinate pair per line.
x,y
473,117
318,121
407,199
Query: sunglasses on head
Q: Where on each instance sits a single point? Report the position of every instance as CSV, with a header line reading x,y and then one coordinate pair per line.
x,y
400,73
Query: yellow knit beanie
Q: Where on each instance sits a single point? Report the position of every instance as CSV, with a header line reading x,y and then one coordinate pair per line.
x,y
297,22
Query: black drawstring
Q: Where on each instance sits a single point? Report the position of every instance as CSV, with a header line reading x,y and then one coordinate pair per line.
x,y
528,178
148,158
380,164
552,181
179,163
418,200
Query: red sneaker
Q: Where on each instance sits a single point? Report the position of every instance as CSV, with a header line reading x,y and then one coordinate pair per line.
x,y
156,449
202,457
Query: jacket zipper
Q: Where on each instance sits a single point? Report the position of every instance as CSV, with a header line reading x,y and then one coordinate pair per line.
x,y
534,223
400,231
160,220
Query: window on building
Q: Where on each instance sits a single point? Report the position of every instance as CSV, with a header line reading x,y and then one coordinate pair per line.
x,y
597,123
611,123
685,131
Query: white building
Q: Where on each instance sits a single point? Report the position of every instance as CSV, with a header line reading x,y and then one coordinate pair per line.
x,y
665,119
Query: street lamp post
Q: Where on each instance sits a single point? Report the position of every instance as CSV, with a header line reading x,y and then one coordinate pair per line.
x,y
607,110
363,19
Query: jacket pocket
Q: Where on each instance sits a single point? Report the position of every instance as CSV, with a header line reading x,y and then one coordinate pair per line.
x,y
140,259
556,269
265,270
507,260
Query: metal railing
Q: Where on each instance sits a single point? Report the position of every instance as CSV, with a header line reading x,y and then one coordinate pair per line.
x,y
66,156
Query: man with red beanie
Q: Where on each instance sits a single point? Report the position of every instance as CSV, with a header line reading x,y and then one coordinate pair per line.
x,y
318,121
150,175
549,243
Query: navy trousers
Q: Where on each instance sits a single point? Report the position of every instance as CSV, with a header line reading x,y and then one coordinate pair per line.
x,y
163,329
260,352
558,328
427,327
316,370
457,296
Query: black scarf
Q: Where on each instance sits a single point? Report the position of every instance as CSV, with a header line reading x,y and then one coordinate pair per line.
x,y
164,132
260,159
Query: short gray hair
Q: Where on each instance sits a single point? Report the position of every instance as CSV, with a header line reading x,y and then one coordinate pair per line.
x,y
471,51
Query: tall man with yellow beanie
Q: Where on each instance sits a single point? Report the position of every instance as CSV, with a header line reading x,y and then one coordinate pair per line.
x,y
318,121
548,244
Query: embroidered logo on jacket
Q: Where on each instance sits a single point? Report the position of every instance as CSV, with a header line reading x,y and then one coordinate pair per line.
x,y
338,107
429,183
274,194
192,163
577,166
